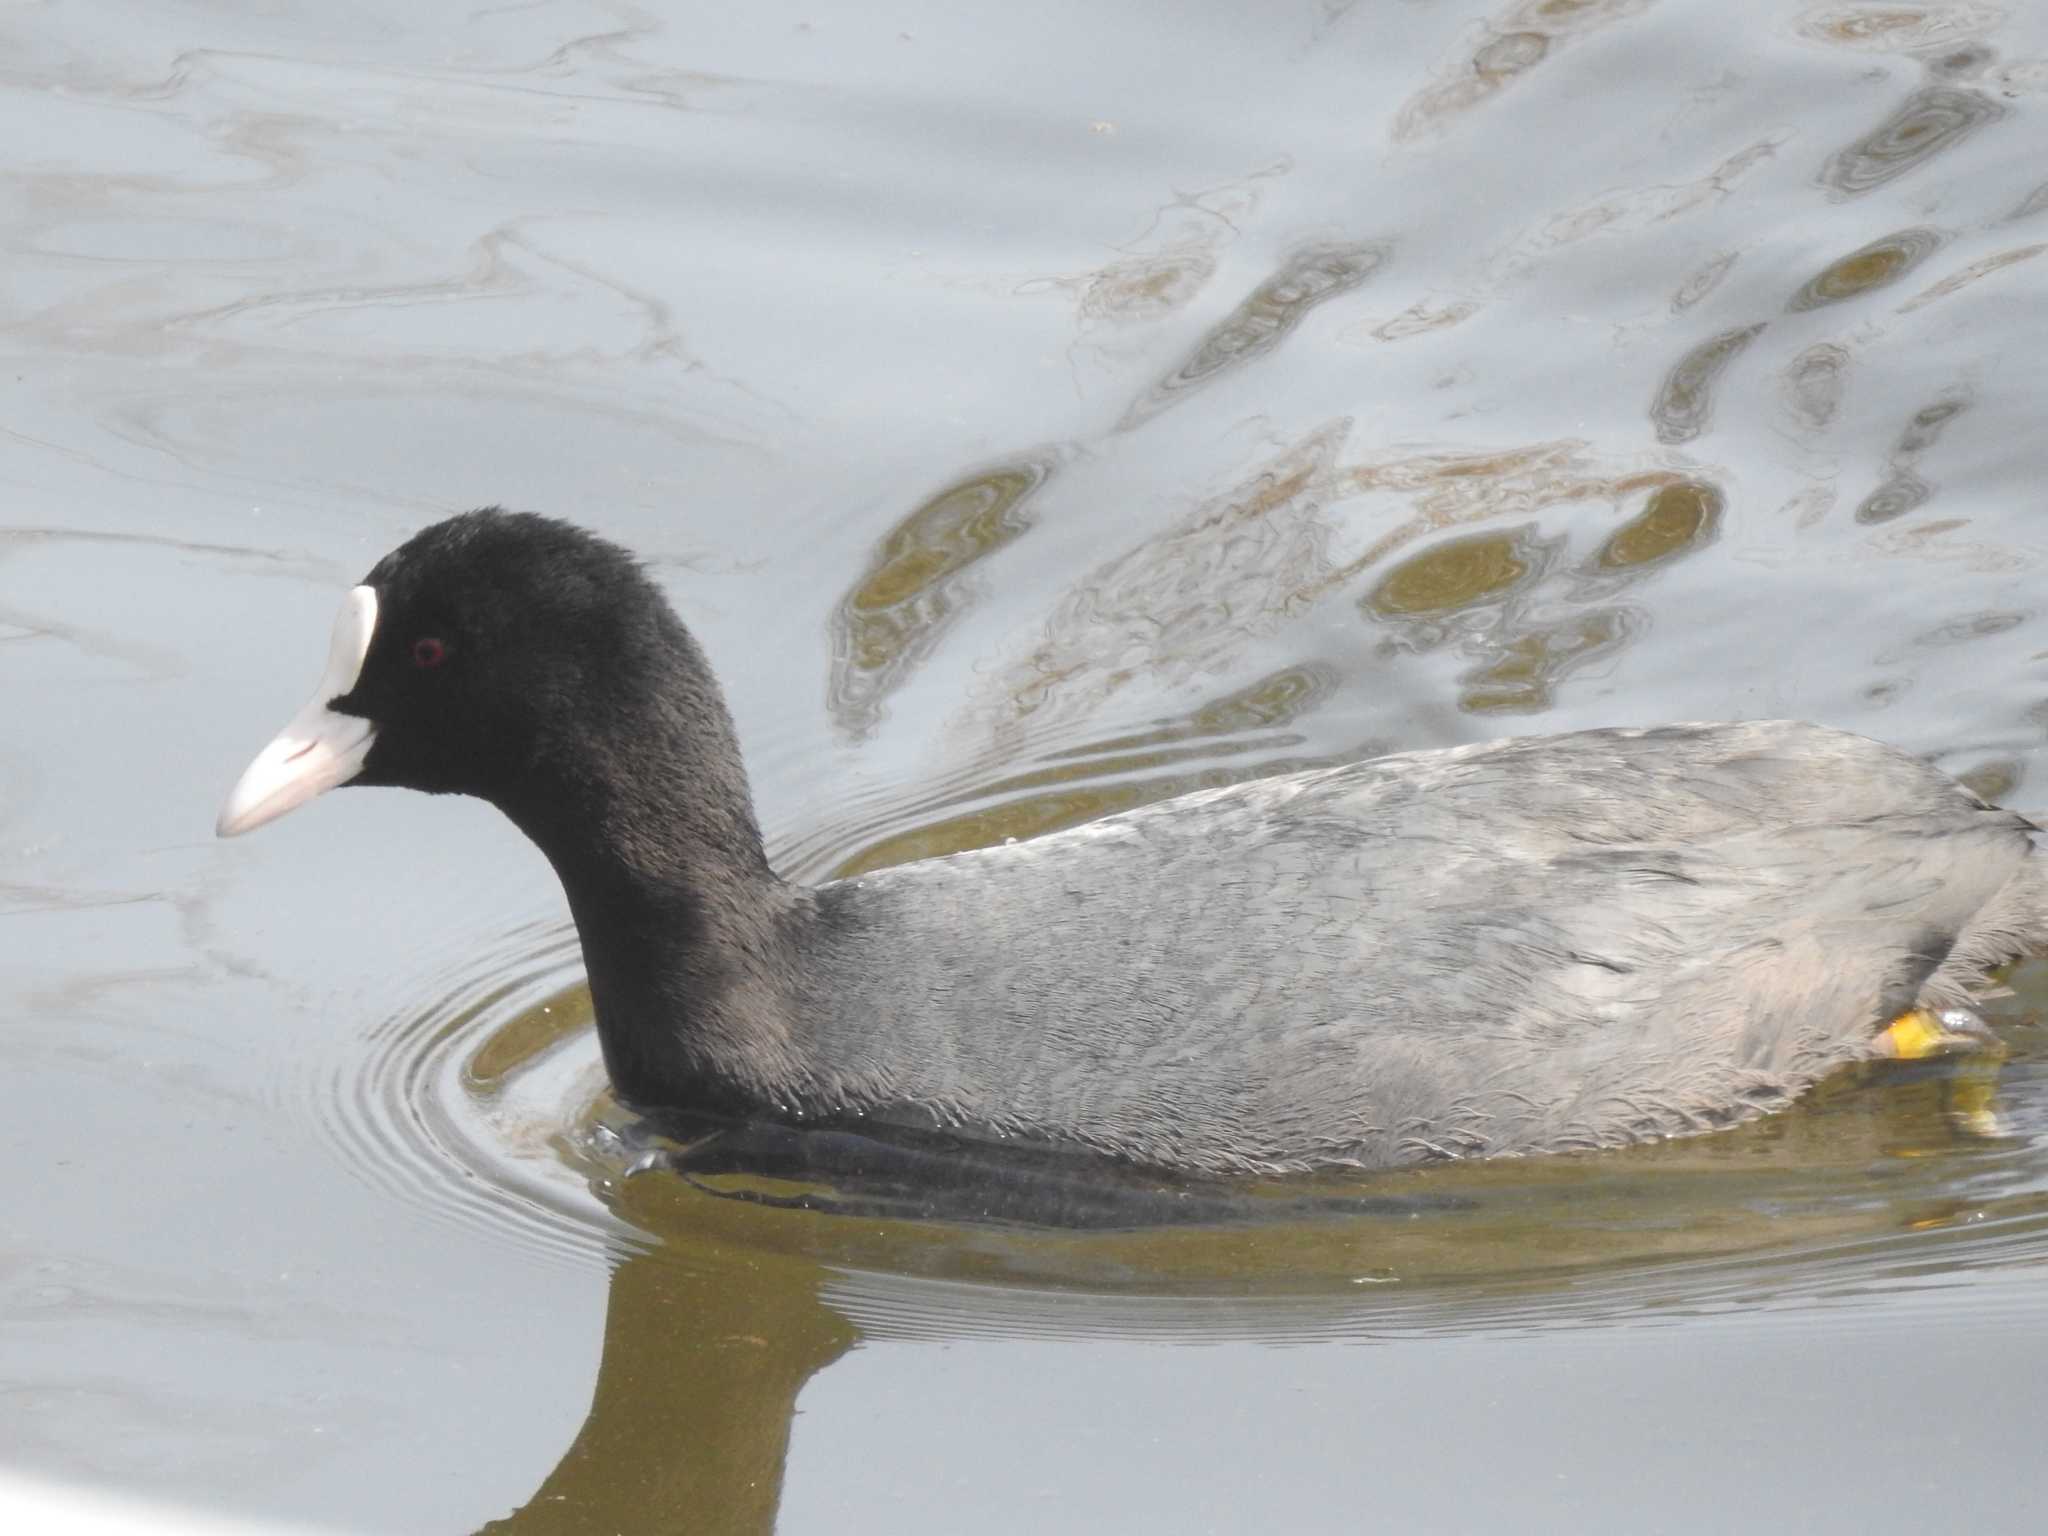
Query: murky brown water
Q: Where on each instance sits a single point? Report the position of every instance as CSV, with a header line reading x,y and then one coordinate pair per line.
x,y
1035,410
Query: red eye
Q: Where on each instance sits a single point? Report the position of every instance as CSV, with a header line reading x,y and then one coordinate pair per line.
x,y
428,652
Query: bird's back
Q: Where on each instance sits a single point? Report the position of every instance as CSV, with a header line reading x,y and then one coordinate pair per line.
x,y
1531,945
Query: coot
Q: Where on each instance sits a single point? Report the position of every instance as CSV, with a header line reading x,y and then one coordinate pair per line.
x,y
1531,945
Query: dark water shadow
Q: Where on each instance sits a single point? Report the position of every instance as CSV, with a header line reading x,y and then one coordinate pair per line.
x,y
689,1422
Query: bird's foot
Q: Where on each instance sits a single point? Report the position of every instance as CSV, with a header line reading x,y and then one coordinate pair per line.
x,y
1920,1033
1971,1088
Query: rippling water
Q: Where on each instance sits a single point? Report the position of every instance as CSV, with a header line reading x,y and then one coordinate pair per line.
x,y
1036,411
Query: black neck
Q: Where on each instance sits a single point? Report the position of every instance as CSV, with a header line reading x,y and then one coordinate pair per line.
x,y
687,934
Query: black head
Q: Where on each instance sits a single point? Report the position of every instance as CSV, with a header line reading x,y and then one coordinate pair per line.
x,y
504,641
499,654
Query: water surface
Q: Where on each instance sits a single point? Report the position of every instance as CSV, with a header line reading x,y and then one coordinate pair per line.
x,y
1035,411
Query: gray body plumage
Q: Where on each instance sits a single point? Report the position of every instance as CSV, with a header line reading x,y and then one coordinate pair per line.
x,y
1530,945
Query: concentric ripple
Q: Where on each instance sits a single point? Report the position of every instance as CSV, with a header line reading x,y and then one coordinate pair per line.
x,y
457,1108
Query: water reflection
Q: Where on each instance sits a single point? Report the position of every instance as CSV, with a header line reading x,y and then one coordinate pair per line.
x,y
1145,287
1509,49
1903,489
1461,574
1880,263
915,584
1926,124
1241,567
1307,277
1172,260
1479,592
1900,28
1685,401
1957,631
1678,519
1976,271
690,1419
1901,492
2030,205
1813,385
1639,208
1181,603
1702,281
